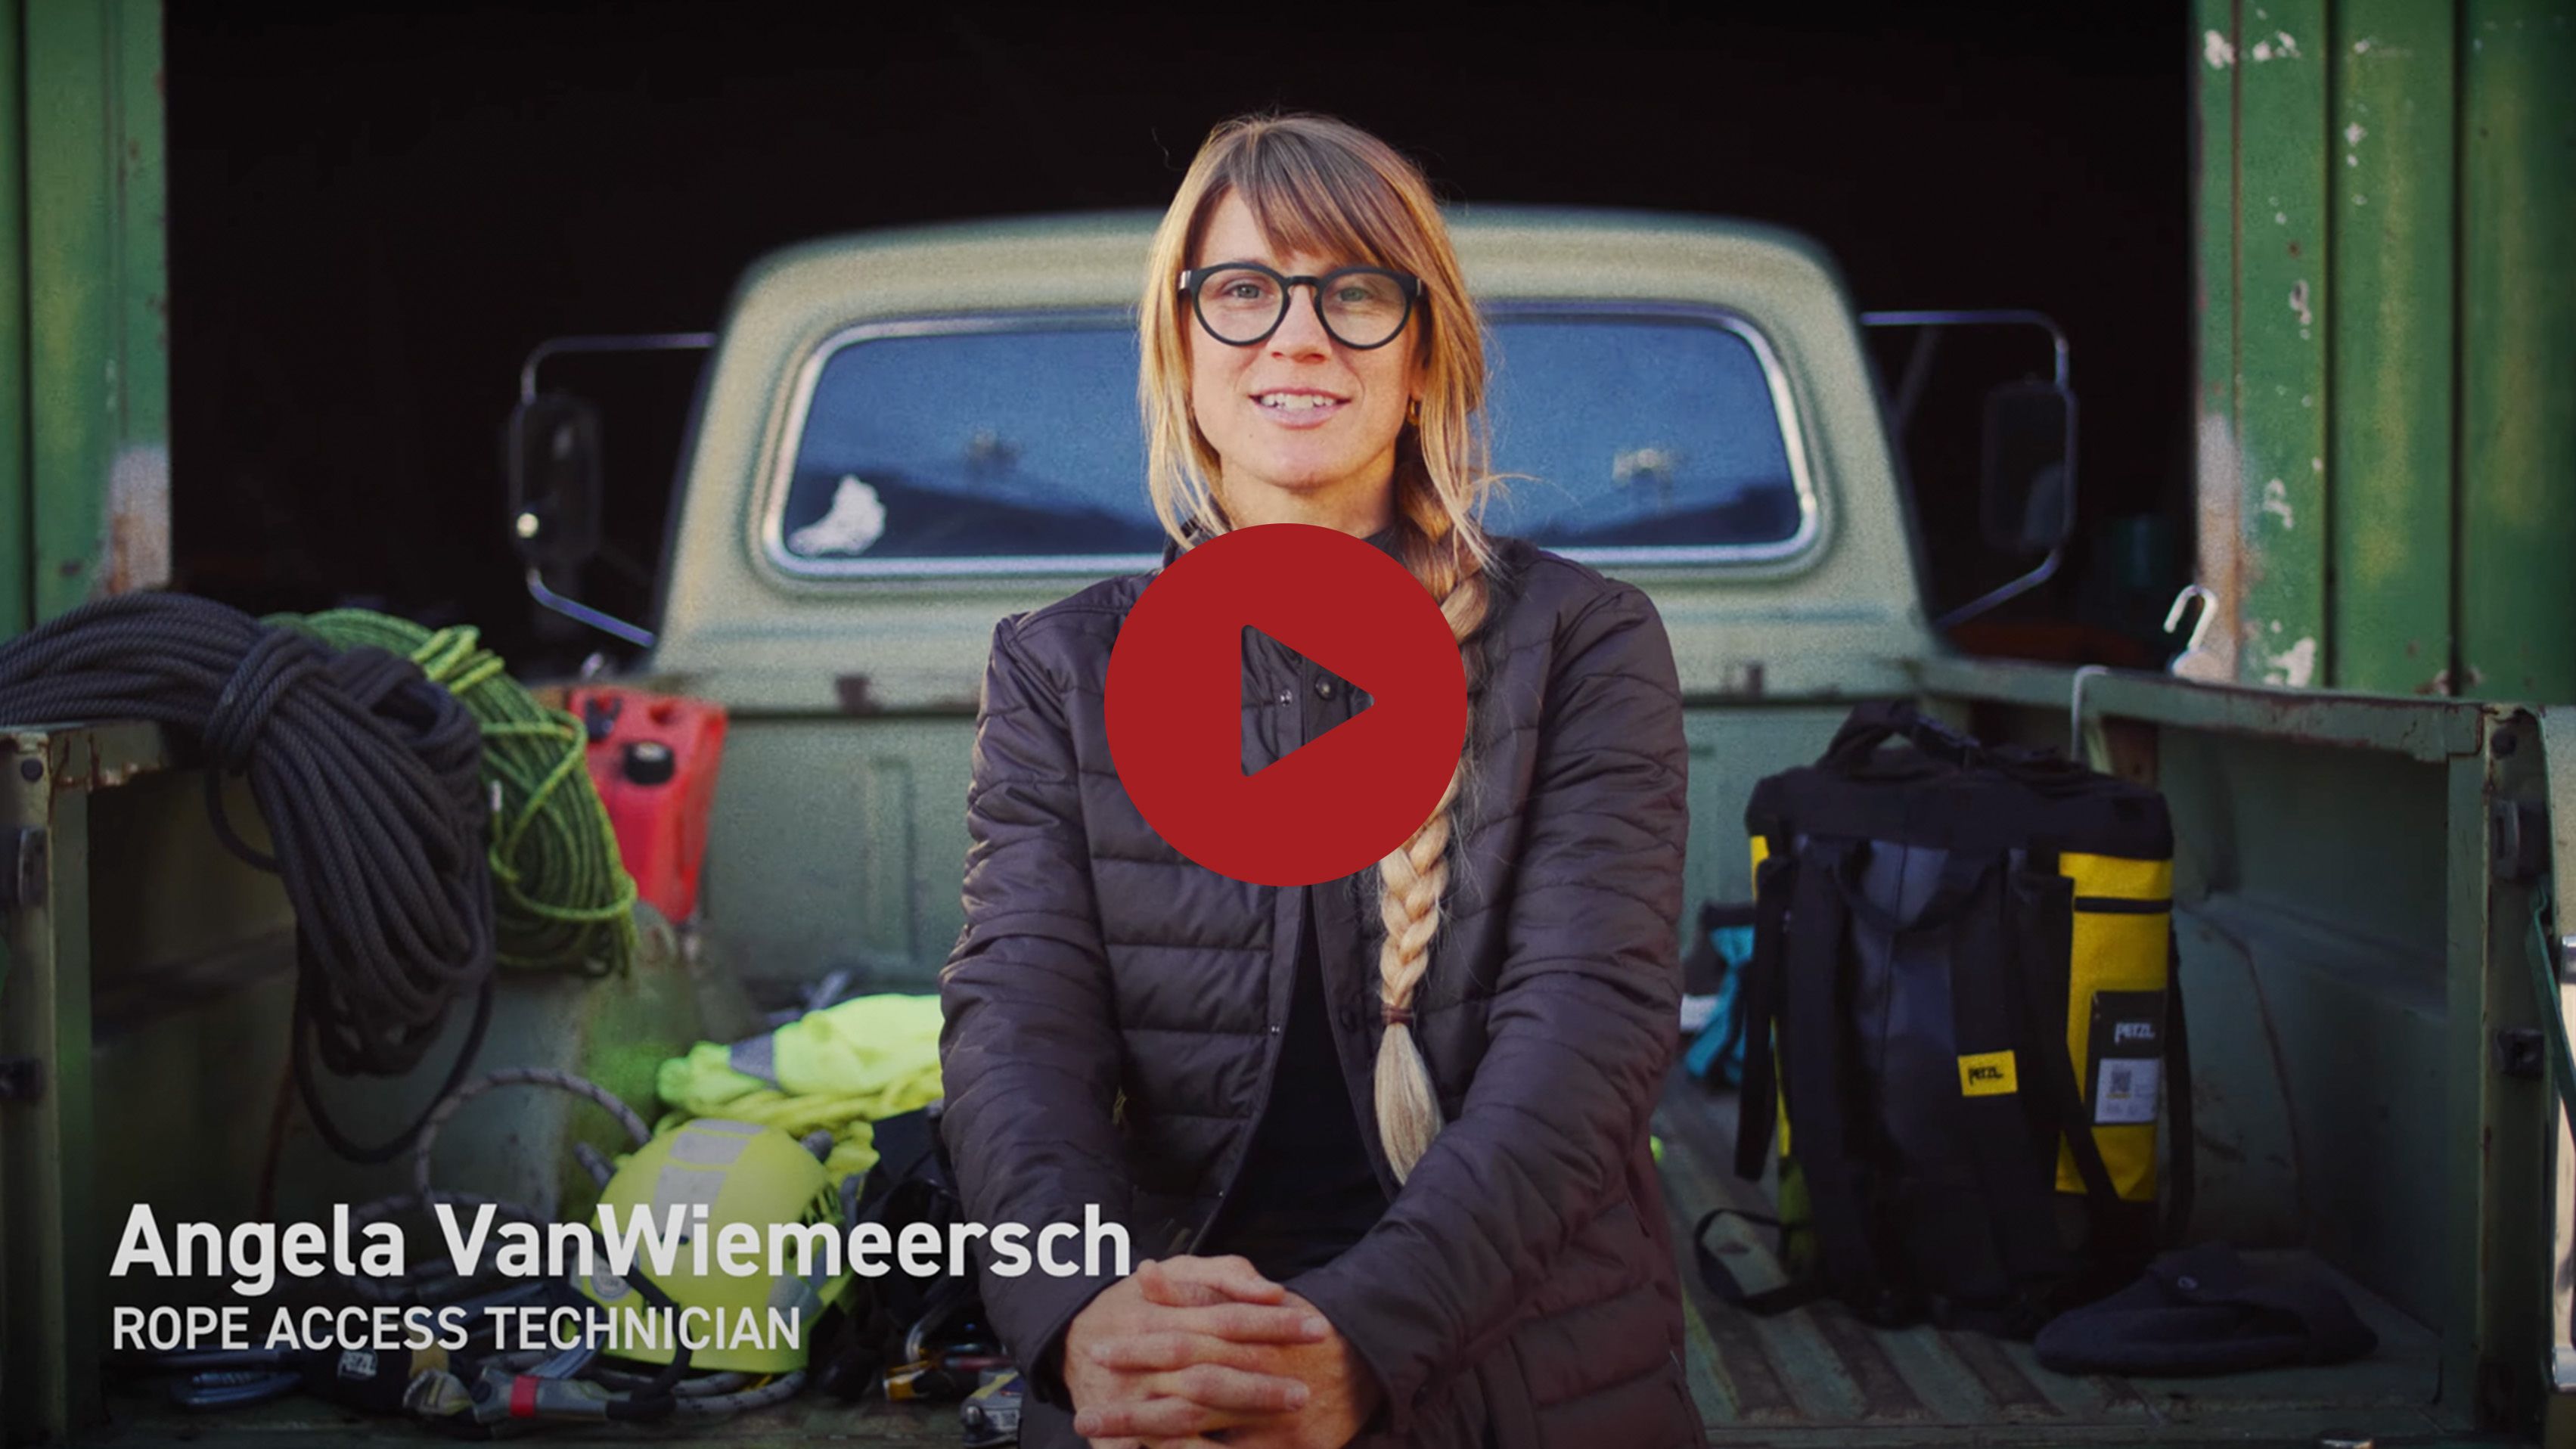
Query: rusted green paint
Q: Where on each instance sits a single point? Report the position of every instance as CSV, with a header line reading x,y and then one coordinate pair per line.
x,y
2517,441
2388,340
2391,184
97,385
2282,232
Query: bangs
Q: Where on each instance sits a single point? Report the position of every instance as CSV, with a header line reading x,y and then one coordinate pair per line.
x,y
1324,202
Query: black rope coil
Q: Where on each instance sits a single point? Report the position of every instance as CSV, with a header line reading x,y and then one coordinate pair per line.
x,y
368,776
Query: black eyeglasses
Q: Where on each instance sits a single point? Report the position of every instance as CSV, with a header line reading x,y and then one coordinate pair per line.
x,y
1242,303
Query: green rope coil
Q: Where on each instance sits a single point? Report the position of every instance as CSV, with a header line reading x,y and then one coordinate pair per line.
x,y
563,898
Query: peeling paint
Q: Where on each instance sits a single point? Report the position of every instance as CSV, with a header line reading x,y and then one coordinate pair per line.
x,y
2276,502
2215,50
2282,46
138,519
2295,667
2361,46
2280,218
2299,303
2353,134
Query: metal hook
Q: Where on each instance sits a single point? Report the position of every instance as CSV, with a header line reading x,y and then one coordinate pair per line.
x,y
2075,710
2200,625
2195,662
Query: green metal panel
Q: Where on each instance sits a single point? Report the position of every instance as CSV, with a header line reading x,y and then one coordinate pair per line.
x,y
2518,351
1731,749
2502,1127
2388,342
13,325
2283,227
51,1323
98,368
2390,456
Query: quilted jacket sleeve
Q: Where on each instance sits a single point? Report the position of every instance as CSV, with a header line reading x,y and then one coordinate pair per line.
x,y
1582,1025
1030,1048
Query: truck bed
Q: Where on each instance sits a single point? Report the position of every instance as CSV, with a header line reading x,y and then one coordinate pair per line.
x,y
1817,1375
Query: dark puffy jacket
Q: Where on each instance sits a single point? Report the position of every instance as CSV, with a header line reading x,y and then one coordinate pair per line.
x,y
1114,1015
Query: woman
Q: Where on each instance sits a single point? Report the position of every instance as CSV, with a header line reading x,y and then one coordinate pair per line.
x,y
1385,1135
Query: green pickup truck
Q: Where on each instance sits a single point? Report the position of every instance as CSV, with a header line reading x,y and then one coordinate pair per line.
x,y
903,436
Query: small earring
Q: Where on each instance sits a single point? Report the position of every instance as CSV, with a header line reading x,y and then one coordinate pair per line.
x,y
1413,413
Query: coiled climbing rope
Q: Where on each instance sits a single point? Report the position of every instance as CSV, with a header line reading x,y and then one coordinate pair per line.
x,y
369,779
564,900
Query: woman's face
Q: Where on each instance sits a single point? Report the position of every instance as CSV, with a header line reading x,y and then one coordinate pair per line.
x,y
1331,461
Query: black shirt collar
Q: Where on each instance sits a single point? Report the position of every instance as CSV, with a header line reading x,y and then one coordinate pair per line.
x,y
1386,540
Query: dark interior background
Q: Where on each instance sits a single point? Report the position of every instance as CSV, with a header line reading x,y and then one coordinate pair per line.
x,y
376,212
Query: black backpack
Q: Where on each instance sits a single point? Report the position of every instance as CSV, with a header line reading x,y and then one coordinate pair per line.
x,y
1961,1015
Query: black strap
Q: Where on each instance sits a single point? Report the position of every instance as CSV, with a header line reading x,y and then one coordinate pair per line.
x,y
1721,1280
1816,1076
1873,724
1730,1044
2012,1155
1757,1106
2043,939
2182,1180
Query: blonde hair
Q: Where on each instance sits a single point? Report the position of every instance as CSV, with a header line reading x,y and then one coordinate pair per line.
x,y
1319,185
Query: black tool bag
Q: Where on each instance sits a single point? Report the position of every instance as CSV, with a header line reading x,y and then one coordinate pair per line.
x,y
909,1337
1961,1016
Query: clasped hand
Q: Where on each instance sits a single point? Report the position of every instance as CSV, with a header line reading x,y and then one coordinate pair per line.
x,y
1202,1351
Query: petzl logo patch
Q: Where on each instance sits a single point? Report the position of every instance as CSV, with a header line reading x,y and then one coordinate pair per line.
x,y
1988,1074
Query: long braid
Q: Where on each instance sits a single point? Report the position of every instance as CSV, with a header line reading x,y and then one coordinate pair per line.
x,y
1413,881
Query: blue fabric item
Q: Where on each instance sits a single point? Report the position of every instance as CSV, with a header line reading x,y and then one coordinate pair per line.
x,y
1717,1053
2204,1310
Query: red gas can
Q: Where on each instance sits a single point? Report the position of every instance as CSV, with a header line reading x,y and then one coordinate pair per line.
x,y
654,759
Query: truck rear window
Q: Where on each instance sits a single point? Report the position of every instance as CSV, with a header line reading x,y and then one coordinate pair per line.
x,y
1011,445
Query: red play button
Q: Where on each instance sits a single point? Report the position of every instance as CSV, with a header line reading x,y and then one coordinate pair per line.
x,y
1175,705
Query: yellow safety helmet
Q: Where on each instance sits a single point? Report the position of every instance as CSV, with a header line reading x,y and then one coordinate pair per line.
x,y
743,1173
